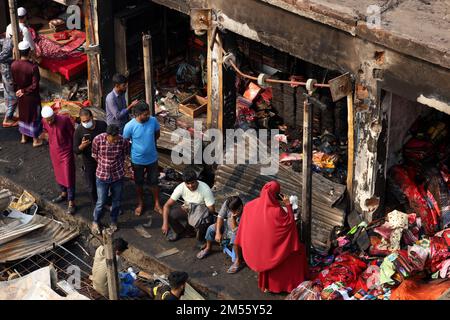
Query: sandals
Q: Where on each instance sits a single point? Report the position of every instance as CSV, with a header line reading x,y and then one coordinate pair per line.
x,y
37,145
235,268
203,254
138,211
59,199
71,210
10,124
158,210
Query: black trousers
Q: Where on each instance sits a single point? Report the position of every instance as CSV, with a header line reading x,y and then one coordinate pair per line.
x,y
178,222
89,171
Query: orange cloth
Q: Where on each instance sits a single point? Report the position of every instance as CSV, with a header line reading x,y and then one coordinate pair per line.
x,y
411,289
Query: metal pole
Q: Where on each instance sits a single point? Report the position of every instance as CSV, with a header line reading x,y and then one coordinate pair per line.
x,y
111,265
15,27
307,174
148,71
351,148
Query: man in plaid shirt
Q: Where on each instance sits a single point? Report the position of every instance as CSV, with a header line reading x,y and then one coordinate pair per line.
x,y
109,150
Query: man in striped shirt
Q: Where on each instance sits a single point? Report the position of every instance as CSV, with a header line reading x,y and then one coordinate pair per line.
x,y
109,150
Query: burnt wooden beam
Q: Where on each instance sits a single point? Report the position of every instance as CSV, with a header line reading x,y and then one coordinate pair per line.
x,y
215,81
307,175
148,71
15,26
111,266
94,79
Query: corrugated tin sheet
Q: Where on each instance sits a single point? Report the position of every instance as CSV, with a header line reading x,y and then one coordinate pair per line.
x,y
37,241
247,181
17,224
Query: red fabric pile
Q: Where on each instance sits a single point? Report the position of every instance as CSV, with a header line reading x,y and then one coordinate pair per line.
x,y
420,202
345,269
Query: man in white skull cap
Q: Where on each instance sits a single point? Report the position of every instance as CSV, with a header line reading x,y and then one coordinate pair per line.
x,y
23,28
60,131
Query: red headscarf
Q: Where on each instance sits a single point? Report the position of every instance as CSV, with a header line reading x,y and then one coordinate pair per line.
x,y
267,233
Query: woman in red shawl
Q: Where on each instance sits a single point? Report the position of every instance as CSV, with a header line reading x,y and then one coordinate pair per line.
x,y
269,240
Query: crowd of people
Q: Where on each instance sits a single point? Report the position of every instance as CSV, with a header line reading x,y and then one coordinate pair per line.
x,y
263,233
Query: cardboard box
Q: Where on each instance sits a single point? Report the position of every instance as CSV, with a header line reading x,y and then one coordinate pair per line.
x,y
193,106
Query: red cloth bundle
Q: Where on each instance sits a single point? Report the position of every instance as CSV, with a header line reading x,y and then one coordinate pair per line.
x,y
345,269
439,252
429,216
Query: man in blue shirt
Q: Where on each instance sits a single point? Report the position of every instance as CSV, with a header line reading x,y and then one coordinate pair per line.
x,y
144,131
117,111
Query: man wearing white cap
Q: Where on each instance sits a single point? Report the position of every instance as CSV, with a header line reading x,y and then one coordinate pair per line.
x,y
22,16
26,77
60,132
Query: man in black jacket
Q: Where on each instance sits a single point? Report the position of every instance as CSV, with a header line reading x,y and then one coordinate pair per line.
x,y
83,137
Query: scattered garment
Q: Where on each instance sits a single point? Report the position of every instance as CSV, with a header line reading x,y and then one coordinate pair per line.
x,y
308,290
392,230
345,269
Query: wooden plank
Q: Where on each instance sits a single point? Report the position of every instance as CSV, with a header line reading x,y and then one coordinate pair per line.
x,y
111,264
167,253
94,81
191,294
148,71
351,148
52,76
307,175
15,27
215,94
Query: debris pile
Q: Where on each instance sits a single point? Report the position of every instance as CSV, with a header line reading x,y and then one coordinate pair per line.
x,y
405,254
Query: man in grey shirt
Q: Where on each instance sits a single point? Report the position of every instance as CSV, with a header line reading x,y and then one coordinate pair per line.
x,y
226,229
6,59
117,111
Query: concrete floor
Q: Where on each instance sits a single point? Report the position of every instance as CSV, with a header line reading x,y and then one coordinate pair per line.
x,y
31,168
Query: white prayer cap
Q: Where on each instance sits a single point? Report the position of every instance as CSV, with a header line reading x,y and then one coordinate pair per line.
x,y
21,12
47,112
24,45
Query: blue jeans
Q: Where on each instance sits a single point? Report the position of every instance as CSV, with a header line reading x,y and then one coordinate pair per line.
x,y
102,191
211,234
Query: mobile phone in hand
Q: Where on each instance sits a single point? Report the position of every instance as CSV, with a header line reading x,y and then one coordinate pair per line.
x,y
280,196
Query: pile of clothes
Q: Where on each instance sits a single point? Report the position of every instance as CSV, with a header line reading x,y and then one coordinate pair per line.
x,y
406,253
